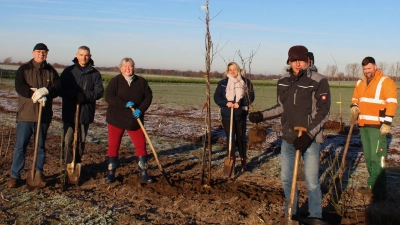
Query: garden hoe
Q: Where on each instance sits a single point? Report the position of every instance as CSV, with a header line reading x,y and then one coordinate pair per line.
x,y
152,148
33,177
294,178
229,163
74,169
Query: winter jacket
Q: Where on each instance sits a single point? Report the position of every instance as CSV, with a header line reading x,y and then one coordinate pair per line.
x,y
76,79
221,101
377,101
34,75
303,101
118,93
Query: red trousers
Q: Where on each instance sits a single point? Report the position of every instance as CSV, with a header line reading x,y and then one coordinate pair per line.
x,y
115,136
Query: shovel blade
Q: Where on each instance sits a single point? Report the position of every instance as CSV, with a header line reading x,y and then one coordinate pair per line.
x,y
73,172
229,165
33,181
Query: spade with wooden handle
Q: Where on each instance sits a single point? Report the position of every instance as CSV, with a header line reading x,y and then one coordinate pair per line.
x,y
33,178
294,178
229,162
152,148
73,168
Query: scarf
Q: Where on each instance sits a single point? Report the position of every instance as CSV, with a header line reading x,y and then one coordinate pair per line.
x,y
129,79
235,87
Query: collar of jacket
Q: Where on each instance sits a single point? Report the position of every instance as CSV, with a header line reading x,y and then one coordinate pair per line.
x,y
88,66
303,72
41,65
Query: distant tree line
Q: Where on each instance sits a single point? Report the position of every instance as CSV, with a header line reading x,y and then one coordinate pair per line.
x,y
353,71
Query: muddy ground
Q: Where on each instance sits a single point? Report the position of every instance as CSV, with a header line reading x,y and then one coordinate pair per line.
x,y
254,197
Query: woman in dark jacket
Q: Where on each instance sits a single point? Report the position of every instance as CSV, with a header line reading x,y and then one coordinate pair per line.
x,y
128,97
235,92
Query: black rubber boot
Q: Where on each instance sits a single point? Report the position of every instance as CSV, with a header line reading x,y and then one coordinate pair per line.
x,y
244,165
112,167
144,176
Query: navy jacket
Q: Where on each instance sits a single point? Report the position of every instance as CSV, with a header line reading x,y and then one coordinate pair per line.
x,y
221,101
75,79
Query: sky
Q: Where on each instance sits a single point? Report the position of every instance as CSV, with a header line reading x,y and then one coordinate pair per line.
x,y
170,34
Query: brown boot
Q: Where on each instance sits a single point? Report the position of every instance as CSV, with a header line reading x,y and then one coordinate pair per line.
x,y
12,182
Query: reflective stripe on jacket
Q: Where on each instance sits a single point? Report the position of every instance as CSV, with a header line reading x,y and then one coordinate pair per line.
x,y
377,101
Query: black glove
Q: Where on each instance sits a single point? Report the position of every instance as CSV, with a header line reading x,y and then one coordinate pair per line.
x,y
80,97
256,117
303,142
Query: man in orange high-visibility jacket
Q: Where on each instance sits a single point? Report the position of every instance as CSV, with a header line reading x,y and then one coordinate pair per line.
x,y
374,102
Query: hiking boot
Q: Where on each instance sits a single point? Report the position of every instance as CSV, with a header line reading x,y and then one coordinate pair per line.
x,y
365,191
12,182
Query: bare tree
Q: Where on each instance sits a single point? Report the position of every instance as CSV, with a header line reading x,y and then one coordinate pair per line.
x,y
209,54
353,70
383,66
330,71
7,60
391,70
397,71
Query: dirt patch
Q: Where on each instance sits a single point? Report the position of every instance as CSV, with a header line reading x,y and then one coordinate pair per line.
x,y
255,197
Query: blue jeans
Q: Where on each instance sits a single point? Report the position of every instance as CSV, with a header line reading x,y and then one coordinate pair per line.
x,y
311,164
25,130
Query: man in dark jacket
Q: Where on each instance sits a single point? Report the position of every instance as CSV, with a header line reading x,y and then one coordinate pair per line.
x,y
303,100
36,83
81,84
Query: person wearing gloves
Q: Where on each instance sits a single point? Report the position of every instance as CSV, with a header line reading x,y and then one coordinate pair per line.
x,y
128,97
303,100
81,84
374,103
235,91
36,83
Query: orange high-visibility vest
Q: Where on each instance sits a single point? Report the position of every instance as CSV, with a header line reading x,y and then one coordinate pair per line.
x,y
377,101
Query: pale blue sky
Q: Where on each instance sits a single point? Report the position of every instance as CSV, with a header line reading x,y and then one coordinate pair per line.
x,y
168,34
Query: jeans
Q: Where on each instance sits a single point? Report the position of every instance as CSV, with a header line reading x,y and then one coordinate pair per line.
x,y
69,129
311,164
24,134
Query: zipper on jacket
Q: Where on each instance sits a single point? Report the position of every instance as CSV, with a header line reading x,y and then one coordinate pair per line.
x,y
294,97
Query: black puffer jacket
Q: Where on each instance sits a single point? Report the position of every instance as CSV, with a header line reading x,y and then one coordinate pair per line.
x,y
75,79
221,101
118,93
303,101
34,75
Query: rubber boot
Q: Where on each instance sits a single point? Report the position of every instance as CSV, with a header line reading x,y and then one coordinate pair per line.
x,y
144,176
112,167
244,166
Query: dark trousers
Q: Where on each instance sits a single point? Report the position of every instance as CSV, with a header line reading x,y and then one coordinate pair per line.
x,y
238,136
69,139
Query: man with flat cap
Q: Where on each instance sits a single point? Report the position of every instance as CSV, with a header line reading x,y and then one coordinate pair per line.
x,y
36,83
303,100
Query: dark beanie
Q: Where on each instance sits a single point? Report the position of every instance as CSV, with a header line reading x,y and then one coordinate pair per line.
x,y
297,52
311,56
40,46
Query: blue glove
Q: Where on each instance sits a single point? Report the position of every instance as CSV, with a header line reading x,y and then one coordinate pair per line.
x,y
130,104
303,142
137,113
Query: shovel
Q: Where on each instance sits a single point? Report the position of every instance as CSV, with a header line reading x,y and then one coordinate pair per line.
x,y
74,169
152,148
346,148
229,162
294,178
33,178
